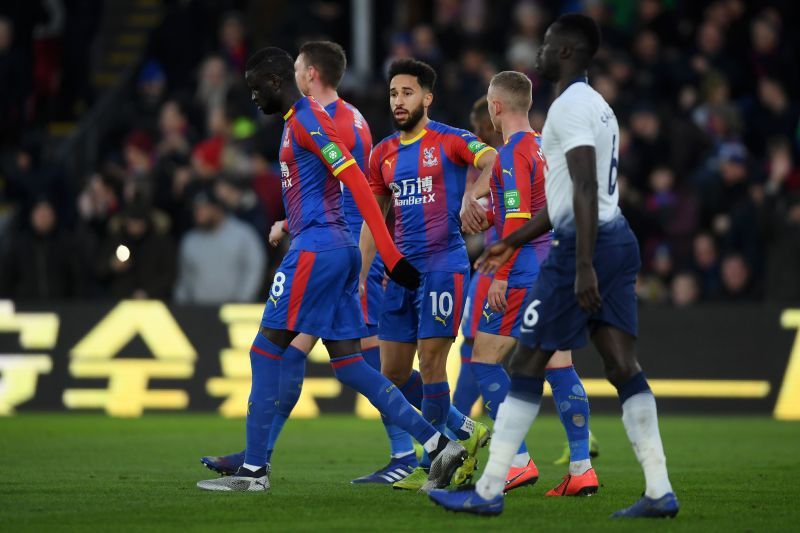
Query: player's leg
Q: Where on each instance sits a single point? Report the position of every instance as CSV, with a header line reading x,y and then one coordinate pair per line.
x,y
265,358
467,391
292,372
490,351
351,369
640,418
514,419
397,368
572,406
400,443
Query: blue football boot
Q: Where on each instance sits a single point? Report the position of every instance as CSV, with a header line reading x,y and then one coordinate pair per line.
x,y
396,470
224,465
467,500
664,507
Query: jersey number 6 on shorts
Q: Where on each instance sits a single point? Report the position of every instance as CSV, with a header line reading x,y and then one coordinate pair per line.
x,y
531,316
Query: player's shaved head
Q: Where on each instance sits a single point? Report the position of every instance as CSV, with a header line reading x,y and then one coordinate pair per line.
x,y
271,60
268,73
513,89
569,45
328,58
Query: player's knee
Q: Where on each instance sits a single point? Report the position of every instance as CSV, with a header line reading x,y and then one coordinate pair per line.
x,y
618,372
527,362
395,375
433,368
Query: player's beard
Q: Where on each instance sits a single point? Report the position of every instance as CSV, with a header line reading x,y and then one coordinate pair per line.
x,y
414,116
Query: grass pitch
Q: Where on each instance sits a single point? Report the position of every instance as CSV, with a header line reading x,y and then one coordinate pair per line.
x,y
92,473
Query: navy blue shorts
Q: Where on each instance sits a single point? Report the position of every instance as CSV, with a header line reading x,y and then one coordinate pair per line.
x,y
551,316
317,293
433,310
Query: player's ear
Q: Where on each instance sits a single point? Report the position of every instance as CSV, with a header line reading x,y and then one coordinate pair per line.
x,y
427,100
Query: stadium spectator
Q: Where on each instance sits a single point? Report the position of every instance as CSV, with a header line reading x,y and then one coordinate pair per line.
x,y
706,264
684,291
233,44
221,260
138,258
737,279
241,201
41,262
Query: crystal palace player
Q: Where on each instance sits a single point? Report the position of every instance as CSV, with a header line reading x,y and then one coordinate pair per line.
x,y
517,193
587,283
315,289
422,170
319,68
467,391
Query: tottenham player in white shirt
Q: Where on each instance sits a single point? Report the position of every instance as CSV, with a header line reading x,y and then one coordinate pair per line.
x,y
585,286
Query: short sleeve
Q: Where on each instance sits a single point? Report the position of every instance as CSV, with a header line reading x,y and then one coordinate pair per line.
x,y
376,182
572,123
316,132
516,175
465,147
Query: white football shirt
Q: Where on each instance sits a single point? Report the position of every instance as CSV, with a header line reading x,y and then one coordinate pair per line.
x,y
580,117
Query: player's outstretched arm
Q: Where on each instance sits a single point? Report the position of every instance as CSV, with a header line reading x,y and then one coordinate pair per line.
x,y
367,242
582,166
473,216
496,255
397,266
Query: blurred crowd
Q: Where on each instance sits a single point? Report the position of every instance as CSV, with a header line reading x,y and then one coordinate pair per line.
x,y
180,201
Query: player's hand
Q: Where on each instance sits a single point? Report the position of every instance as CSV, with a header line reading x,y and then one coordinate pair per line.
x,y
586,289
276,233
405,274
493,257
362,286
473,216
497,295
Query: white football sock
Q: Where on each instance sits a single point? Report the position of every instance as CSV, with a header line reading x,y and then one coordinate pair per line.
x,y
514,418
640,418
468,425
431,444
402,454
577,468
520,460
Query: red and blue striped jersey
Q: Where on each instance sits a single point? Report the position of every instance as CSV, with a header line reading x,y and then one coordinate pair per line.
x,y
517,189
426,176
312,155
354,132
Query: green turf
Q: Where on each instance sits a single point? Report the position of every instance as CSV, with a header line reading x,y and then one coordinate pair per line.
x,y
82,472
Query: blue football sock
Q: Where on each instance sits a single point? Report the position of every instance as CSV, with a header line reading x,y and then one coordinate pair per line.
x,y
455,424
293,370
572,405
435,409
494,383
467,390
412,389
436,404
354,372
400,443
265,364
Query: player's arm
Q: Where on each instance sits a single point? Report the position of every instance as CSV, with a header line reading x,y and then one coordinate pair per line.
x,y
582,166
516,186
473,215
494,256
469,150
367,242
